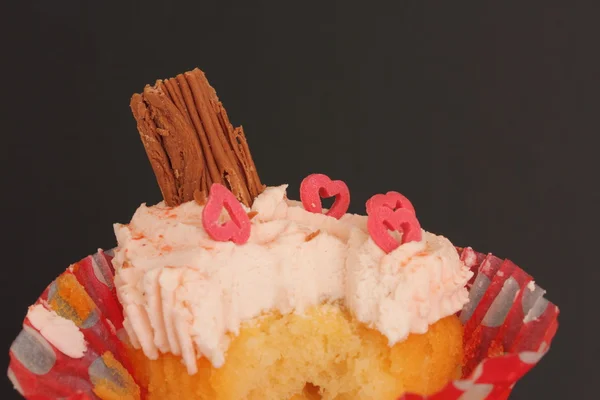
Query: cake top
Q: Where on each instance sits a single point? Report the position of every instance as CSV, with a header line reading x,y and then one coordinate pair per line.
x,y
185,292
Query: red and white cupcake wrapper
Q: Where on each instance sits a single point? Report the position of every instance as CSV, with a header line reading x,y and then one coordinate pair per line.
x,y
509,326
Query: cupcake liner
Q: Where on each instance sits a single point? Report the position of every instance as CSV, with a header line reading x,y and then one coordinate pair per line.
x,y
84,294
509,326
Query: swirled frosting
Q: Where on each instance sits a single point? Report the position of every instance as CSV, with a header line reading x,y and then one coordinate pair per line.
x,y
186,294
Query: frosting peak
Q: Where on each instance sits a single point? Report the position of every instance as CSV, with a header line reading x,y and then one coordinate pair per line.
x,y
184,293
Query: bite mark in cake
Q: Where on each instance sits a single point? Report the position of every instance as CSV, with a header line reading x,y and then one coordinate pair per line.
x,y
212,287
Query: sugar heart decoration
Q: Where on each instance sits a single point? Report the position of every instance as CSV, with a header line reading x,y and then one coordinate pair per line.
x,y
393,200
237,229
383,219
316,186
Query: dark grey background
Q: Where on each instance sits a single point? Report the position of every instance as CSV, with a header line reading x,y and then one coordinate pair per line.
x,y
481,114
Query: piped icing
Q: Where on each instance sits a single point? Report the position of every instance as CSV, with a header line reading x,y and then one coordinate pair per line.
x,y
183,292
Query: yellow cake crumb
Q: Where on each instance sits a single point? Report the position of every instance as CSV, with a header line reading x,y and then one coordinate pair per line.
x,y
322,354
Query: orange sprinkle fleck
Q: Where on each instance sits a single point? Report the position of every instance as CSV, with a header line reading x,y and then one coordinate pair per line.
x,y
312,235
252,214
166,248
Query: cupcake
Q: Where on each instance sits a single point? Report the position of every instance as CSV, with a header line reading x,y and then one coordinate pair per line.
x,y
227,289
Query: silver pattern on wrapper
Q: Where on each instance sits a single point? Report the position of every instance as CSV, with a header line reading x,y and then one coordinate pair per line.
x,y
33,351
101,273
502,304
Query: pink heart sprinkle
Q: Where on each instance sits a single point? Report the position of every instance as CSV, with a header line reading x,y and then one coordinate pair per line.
x,y
383,219
317,186
237,229
393,200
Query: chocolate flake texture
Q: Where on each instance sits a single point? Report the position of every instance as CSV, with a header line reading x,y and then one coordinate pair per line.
x,y
190,142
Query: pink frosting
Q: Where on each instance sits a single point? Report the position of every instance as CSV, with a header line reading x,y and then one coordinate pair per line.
x,y
184,293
